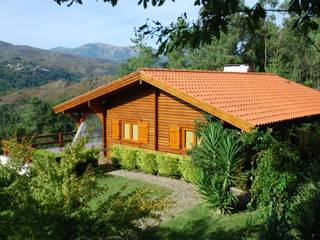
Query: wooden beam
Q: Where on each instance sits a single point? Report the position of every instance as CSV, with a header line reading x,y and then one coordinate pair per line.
x,y
104,132
156,118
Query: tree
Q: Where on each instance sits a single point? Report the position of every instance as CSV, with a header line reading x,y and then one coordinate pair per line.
x,y
215,16
146,58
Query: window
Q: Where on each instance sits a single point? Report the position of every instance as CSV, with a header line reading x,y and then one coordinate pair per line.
x,y
182,138
189,139
135,132
126,131
130,131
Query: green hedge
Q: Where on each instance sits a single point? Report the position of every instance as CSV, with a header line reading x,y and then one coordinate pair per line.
x,y
188,171
153,162
147,161
168,165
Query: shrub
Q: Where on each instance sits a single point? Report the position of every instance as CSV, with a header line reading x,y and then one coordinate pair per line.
x,y
270,184
219,157
124,156
168,165
188,170
41,153
128,158
52,202
147,161
114,152
305,211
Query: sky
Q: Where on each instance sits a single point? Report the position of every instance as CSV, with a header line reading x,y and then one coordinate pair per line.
x,y
44,24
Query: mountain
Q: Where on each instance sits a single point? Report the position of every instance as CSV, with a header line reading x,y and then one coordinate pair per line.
x,y
25,66
100,50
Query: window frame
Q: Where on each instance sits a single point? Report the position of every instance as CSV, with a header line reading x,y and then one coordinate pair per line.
x,y
131,123
183,137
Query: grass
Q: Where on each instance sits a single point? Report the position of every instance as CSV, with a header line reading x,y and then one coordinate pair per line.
x,y
126,186
202,222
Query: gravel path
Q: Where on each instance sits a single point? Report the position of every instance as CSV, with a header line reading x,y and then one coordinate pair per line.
x,y
183,196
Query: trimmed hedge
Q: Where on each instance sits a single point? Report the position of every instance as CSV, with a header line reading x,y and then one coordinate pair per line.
x,y
188,171
153,162
168,165
147,161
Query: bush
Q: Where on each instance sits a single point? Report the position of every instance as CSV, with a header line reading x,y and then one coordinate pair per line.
x,y
305,211
128,158
153,162
147,161
188,170
168,165
270,184
124,156
220,159
53,202
114,153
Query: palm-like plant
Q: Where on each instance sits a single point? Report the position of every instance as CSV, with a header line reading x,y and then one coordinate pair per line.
x,y
219,156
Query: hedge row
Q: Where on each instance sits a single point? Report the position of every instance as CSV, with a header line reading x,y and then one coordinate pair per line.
x,y
153,162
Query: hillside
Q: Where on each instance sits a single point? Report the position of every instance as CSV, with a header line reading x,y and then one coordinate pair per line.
x,y
53,92
99,50
25,67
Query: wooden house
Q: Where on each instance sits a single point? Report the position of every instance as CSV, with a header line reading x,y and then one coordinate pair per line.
x,y
156,108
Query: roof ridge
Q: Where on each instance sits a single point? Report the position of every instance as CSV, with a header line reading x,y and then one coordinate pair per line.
x,y
203,71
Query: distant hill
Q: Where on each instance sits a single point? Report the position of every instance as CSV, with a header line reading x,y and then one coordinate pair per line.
x,y
100,50
24,67
54,92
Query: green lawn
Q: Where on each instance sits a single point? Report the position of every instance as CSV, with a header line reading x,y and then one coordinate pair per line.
x,y
125,186
202,222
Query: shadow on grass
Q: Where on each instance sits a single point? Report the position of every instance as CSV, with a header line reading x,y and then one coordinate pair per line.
x,y
104,168
201,229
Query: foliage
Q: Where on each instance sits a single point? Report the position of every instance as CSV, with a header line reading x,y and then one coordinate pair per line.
x,y
214,18
128,158
219,157
147,161
304,212
271,185
168,165
35,117
146,58
188,170
154,162
51,201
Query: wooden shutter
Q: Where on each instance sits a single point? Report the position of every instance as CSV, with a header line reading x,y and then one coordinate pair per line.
x,y
144,132
115,129
174,137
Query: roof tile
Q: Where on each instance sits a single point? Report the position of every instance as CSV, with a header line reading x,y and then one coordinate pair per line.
x,y
257,98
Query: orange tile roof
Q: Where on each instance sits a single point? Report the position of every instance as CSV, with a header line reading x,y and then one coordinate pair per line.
x,y
242,99
257,98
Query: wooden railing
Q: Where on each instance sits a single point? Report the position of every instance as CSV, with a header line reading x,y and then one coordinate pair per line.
x,y
57,139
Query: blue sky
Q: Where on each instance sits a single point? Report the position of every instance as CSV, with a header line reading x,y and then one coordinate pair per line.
x,y
44,24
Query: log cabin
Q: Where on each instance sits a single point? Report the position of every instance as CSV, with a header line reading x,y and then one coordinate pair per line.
x,y
156,108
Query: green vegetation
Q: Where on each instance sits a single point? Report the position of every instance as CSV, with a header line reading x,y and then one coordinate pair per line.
x,y
148,161
127,186
54,200
219,157
25,67
31,118
202,222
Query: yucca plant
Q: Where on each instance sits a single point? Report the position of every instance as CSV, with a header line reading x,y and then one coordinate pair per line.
x,y
219,156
